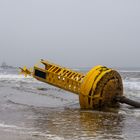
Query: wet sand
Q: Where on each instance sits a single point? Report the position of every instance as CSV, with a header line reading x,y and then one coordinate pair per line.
x,y
14,136
28,113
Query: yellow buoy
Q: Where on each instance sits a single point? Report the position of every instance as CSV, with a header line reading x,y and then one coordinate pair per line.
x,y
96,89
100,86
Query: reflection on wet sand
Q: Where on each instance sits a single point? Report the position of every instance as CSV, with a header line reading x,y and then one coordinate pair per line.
x,y
79,124
27,113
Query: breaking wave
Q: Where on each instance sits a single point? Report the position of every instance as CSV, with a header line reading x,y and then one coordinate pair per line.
x,y
132,85
17,78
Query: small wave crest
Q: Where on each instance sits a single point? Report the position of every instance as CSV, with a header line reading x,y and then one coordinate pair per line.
x,y
12,76
3,125
16,78
132,85
129,71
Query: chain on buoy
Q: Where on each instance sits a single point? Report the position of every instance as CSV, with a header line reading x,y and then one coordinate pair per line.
x,y
99,88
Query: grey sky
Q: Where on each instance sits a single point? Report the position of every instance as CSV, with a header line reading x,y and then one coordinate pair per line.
x,y
70,32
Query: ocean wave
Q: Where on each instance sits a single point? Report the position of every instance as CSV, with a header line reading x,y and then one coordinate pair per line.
x,y
131,85
3,125
12,78
128,71
132,79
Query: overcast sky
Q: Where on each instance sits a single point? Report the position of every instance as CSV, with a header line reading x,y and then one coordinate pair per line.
x,y
73,33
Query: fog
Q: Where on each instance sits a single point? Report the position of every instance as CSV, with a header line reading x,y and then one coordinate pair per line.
x,y
75,33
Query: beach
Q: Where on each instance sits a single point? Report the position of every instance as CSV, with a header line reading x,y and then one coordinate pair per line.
x,y
30,109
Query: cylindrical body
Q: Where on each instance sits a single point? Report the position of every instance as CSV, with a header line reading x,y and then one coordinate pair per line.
x,y
96,89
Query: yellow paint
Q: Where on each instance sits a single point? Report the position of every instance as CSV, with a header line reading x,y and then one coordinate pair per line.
x,y
96,89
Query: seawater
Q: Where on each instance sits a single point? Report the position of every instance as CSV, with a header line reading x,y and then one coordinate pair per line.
x,y
26,112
